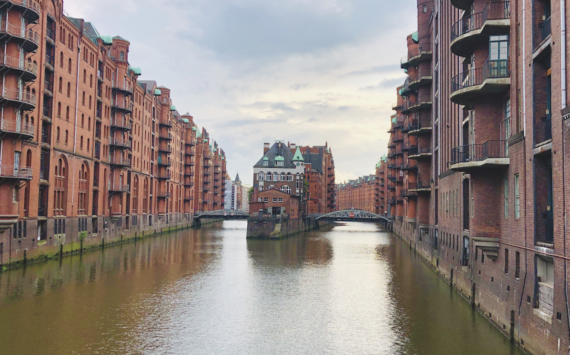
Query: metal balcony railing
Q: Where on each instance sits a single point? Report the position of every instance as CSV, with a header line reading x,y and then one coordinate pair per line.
x,y
10,126
120,142
122,105
164,175
418,150
491,11
48,85
478,152
118,187
165,149
492,69
544,29
50,33
15,172
123,86
163,194
30,4
17,31
120,161
545,227
18,95
16,63
121,123
542,130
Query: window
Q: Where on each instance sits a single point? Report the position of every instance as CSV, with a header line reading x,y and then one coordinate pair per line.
x,y
275,177
286,189
506,189
260,176
472,202
517,265
259,199
274,199
60,84
68,89
69,65
289,177
280,163
266,199
517,198
280,199
506,261
465,261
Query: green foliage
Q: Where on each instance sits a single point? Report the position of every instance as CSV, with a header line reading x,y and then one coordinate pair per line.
x,y
82,235
250,194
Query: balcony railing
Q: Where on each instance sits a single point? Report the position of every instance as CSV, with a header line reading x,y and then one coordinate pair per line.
x,y
491,11
478,152
545,228
493,69
419,151
16,63
122,106
50,34
120,161
164,175
165,149
15,172
45,135
163,135
124,86
163,194
544,30
48,85
121,123
18,95
17,127
118,187
120,142
17,31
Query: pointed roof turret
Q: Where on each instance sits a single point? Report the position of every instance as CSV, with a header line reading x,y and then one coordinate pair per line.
x,y
237,178
298,156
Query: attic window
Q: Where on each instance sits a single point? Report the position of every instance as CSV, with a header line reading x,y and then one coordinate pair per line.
x,y
280,163
265,163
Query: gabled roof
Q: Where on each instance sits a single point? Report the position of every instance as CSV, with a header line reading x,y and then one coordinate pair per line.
x,y
277,150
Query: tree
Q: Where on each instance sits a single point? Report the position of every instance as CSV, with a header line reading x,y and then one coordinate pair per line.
x,y
250,194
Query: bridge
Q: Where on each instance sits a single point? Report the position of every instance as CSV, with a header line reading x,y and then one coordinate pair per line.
x,y
220,214
354,215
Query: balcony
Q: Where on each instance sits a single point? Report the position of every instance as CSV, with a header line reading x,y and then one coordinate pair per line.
x,y
188,198
28,70
416,55
122,106
120,143
164,175
462,4
48,88
166,150
420,104
24,130
408,193
189,173
489,155
468,32
118,187
419,127
420,186
124,87
166,123
188,183
26,101
164,162
423,77
542,131
492,79
418,153
15,172
120,161
50,62
190,152
165,136
163,194
191,143
542,33
27,38
122,124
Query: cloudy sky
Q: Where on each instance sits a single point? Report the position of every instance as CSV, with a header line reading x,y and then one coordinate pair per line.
x,y
254,71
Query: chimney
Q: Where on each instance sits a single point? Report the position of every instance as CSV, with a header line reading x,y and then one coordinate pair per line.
x,y
265,148
293,146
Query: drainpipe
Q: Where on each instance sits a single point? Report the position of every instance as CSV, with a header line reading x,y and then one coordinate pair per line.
x,y
76,106
524,65
563,52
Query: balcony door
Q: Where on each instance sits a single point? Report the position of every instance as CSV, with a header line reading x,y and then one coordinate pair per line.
x,y
498,62
16,163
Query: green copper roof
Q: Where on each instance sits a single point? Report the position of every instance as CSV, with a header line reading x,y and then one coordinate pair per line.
x,y
222,157
265,158
107,40
194,129
406,71
400,91
298,156
415,37
185,120
206,140
172,108
215,150
279,158
394,120
136,70
157,92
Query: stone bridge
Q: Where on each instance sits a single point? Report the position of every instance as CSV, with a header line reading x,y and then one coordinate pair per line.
x,y
220,214
354,215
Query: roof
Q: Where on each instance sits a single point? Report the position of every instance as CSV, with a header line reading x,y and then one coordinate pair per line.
x,y
237,175
298,156
415,37
277,150
121,38
315,159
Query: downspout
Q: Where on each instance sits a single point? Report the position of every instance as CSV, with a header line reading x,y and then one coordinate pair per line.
x,y
76,107
563,52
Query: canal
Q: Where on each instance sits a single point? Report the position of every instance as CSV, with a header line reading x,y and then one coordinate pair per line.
x,y
350,290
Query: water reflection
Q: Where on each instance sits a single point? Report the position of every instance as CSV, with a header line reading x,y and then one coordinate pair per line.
x,y
351,290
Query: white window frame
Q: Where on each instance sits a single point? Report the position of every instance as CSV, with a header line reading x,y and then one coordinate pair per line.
x,y
517,197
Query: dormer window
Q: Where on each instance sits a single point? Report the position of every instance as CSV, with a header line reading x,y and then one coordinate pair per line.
x,y
280,163
265,163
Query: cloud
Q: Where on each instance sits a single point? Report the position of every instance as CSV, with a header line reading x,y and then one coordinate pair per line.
x,y
384,84
299,86
376,69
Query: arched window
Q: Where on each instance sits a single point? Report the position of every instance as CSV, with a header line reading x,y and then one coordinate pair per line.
x,y
81,144
67,113
60,84
260,176
286,189
268,177
61,59
57,134
89,123
68,89
69,65
84,76
91,81
90,101
283,176
83,98
275,176
82,194
289,177
66,136
88,143
82,120
59,109
60,187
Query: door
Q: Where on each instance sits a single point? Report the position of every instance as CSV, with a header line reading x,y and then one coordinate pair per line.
x,y
549,208
548,122
23,26
18,120
22,58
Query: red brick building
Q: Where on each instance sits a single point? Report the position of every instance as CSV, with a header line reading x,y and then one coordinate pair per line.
x,y
86,145
477,159
320,175
360,194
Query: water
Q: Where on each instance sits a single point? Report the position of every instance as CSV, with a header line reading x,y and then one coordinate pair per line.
x,y
351,290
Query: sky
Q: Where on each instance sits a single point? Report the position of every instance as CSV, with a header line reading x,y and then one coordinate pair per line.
x,y
253,71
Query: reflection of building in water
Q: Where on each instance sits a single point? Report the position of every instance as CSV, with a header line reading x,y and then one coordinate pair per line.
x,y
290,252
